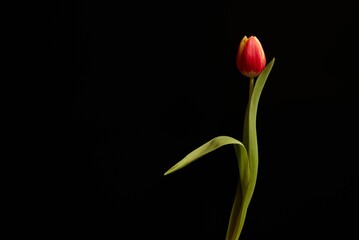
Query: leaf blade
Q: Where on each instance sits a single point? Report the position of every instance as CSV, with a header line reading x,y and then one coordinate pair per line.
x,y
204,149
239,208
250,124
240,205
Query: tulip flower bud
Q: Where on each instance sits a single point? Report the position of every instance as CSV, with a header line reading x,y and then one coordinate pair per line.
x,y
251,59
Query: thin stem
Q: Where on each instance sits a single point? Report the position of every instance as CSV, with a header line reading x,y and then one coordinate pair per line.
x,y
251,85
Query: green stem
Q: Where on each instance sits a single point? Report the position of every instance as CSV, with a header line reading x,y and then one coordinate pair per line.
x,y
251,85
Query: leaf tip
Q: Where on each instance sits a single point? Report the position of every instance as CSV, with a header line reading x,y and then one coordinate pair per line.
x,y
168,171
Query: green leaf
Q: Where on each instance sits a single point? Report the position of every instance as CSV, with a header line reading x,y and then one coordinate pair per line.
x,y
240,206
250,130
208,147
238,210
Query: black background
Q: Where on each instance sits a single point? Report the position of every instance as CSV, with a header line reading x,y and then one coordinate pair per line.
x,y
144,83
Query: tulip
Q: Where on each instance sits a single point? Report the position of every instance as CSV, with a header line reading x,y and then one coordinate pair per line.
x,y
251,62
251,59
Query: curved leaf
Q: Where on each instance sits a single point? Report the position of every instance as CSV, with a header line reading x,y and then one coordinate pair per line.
x,y
250,130
240,206
210,146
239,209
